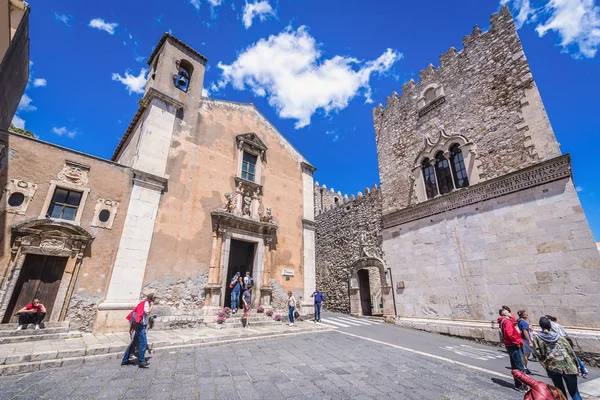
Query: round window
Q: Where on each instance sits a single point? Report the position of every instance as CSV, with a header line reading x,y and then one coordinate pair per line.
x,y
104,215
16,199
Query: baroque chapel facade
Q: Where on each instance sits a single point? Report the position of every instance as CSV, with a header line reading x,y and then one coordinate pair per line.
x,y
197,190
477,206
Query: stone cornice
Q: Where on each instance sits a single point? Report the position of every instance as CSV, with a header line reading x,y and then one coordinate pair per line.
x,y
308,167
223,219
152,93
308,224
149,181
539,174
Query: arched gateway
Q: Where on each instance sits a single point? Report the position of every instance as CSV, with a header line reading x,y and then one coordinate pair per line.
x,y
360,296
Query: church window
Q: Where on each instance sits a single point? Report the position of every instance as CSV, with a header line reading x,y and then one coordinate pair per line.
x,y
336,200
442,171
184,75
64,204
429,175
249,166
457,161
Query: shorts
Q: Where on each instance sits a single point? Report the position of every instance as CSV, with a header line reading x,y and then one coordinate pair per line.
x,y
246,308
526,348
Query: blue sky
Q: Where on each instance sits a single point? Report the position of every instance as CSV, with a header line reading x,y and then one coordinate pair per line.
x,y
88,61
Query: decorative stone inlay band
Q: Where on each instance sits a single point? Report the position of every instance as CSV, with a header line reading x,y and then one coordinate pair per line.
x,y
539,174
432,105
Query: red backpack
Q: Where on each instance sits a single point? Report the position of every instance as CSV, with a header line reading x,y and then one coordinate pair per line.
x,y
538,390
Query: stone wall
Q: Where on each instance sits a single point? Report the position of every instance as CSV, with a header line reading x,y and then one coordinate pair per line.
x,y
486,94
341,234
14,72
531,249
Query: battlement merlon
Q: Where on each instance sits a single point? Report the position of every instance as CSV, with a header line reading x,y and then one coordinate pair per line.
x,y
501,23
325,199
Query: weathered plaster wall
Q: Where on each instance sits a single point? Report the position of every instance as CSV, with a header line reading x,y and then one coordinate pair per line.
x,y
201,168
38,162
339,233
490,98
531,249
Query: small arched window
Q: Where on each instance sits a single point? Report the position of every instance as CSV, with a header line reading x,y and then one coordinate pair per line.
x,y
336,200
444,176
457,161
184,75
429,176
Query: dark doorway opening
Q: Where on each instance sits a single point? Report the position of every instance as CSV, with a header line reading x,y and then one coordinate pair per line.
x,y
40,278
365,291
241,259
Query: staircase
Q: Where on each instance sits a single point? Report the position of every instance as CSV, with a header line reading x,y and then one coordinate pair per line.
x,y
235,321
51,331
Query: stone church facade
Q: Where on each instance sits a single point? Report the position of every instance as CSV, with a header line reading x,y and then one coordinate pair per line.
x,y
478,206
197,190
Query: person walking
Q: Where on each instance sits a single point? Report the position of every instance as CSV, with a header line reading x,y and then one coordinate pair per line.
x,y
291,303
235,284
248,281
141,315
319,298
527,336
247,299
558,358
511,337
558,328
33,313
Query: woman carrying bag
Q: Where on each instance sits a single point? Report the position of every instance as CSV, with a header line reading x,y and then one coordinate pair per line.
x,y
291,303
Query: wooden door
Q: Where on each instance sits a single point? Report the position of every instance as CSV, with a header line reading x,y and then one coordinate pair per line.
x,y
40,277
365,291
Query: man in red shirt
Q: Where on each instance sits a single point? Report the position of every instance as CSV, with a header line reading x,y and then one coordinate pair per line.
x,y
513,342
32,313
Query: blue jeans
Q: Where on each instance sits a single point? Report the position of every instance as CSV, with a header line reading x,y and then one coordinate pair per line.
x,y
140,336
318,311
516,360
291,314
582,368
235,297
570,380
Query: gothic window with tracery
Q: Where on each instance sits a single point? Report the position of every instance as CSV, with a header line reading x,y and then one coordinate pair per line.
x,y
442,171
429,176
457,161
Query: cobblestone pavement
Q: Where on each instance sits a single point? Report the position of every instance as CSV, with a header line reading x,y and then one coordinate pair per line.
x,y
325,365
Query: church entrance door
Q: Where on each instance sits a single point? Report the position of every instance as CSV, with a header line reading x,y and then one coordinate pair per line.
x,y
40,278
241,259
365,291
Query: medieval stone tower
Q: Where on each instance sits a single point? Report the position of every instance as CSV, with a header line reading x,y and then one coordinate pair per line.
x,y
479,208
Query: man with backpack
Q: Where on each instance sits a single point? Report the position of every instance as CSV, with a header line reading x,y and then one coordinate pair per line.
x,y
236,286
141,316
248,281
511,337
319,298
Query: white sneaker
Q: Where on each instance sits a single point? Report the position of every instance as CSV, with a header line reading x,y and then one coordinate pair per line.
x,y
37,326
20,327
292,324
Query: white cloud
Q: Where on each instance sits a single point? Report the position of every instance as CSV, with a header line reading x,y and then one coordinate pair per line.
x,y
134,84
63,18
99,23
213,3
333,134
25,104
260,9
579,188
577,22
18,122
288,69
39,82
205,92
63,131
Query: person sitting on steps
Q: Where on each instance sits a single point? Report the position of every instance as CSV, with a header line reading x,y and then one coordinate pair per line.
x,y
32,313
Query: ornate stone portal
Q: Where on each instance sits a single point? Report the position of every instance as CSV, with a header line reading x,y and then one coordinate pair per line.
x,y
241,218
52,238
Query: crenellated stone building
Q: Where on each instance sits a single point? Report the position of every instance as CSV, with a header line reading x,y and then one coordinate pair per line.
x,y
478,206
197,190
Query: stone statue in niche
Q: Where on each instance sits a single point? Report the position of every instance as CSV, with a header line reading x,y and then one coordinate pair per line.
x,y
229,205
246,209
268,215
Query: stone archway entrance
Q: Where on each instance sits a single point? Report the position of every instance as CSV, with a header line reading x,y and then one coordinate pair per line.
x,y
361,300
45,258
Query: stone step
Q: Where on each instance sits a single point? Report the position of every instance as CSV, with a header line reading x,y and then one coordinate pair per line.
x,y
39,336
238,324
30,331
13,327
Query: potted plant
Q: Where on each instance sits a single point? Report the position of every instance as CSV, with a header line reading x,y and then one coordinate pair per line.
x,y
277,317
220,319
260,309
226,312
269,313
